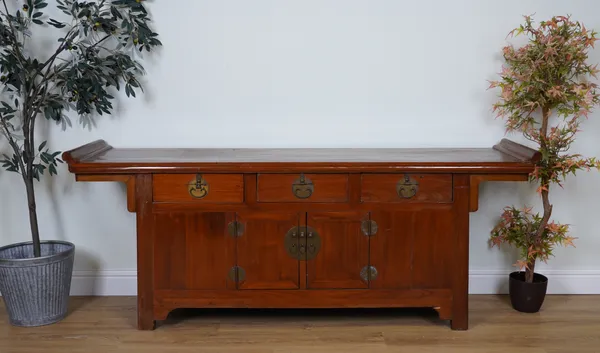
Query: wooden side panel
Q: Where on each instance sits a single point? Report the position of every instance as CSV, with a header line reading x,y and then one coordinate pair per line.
x,y
391,249
383,188
344,250
278,188
433,252
145,252
460,255
193,251
261,251
221,188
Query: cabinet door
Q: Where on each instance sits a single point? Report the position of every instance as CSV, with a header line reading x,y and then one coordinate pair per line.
x,y
193,251
343,253
391,248
434,238
412,249
262,253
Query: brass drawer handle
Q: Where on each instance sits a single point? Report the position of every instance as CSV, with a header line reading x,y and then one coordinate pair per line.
x,y
198,188
407,188
303,187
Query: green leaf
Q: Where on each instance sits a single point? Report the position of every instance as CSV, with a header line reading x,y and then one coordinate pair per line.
x,y
56,24
37,22
42,145
41,5
37,14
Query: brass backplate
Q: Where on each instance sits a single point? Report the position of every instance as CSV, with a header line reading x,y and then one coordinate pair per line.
x,y
369,228
198,188
302,187
235,229
313,243
368,273
302,243
237,274
291,242
407,187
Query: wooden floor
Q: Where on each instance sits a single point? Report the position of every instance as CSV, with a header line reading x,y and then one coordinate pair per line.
x,y
106,324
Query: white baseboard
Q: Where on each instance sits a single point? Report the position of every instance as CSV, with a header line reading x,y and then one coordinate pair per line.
x,y
116,283
559,281
104,283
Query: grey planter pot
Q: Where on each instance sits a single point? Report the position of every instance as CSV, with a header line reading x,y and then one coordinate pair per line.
x,y
36,290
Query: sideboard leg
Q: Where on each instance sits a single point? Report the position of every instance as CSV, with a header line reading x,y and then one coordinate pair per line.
x,y
145,251
146,324
460,288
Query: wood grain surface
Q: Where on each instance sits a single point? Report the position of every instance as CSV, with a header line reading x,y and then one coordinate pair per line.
x,y
100,157
565,324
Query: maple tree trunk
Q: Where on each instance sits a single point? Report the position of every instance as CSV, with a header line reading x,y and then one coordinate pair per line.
x,y
529,271
545,199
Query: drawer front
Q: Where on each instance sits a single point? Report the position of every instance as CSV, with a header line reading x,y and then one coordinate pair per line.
x,y
436,188
302,188
204,188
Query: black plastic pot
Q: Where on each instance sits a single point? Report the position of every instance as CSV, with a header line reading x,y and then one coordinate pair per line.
x,y
527,297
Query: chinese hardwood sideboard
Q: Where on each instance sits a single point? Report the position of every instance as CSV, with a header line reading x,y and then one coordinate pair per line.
x,y
302,228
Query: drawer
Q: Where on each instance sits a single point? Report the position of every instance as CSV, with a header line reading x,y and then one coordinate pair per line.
x,y
205,188
302,188
406,188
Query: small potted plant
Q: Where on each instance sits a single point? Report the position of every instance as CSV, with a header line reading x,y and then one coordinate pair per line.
x,y
545,95
93,54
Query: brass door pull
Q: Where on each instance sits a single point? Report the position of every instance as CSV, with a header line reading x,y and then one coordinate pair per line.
x,y
302,187
407,188
198,188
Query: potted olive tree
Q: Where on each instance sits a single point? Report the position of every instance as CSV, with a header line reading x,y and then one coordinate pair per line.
x,y
546,94
93,57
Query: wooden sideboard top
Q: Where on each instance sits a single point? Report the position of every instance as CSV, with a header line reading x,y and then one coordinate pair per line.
x,y
98,157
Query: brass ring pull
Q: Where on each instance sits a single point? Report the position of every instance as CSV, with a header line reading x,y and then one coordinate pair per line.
x,y
303,187
407,188
198,188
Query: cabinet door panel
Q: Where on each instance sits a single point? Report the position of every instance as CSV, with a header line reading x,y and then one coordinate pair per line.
x,y
261,251
391,248
344,250
434,238
193,251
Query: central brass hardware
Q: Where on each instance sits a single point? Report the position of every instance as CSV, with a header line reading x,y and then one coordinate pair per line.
x,y
302,187
237,274
407,188
368,273
198,188
302,243
235,229
369,228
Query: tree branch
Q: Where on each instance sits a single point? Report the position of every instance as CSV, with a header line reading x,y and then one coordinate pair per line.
x,y
14,146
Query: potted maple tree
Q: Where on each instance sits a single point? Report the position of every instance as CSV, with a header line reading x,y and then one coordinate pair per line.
x,y
546,94
94,50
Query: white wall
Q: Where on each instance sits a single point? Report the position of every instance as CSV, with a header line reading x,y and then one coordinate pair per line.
x,y
352,73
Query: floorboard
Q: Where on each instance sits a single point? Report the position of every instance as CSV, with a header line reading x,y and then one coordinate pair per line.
x,y
107,324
